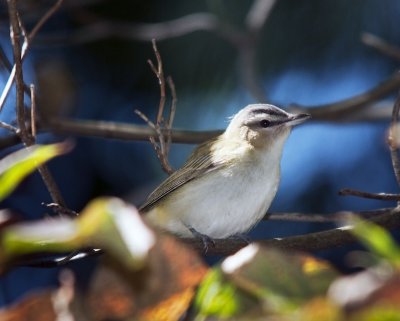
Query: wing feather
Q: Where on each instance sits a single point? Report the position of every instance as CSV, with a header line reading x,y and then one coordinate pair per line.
x,y
195,167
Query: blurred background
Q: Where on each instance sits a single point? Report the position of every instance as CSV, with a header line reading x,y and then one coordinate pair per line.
x,y
89,62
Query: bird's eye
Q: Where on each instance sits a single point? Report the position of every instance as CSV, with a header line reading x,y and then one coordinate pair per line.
x,y
264,123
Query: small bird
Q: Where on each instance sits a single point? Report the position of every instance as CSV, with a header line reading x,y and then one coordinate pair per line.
x,y
228,183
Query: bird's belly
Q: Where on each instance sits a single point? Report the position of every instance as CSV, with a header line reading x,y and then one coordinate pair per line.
x,y
231,204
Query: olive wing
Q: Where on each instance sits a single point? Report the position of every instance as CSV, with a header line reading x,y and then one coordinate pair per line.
x,y
199,163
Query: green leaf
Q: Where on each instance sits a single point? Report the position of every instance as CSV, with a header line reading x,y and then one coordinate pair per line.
x,y
16,166
217,297
107,223
377,240
281,281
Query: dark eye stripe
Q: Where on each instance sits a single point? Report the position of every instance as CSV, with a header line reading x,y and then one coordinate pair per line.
x,y
270,112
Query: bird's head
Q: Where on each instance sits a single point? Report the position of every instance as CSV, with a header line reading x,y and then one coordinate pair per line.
x,y
262,124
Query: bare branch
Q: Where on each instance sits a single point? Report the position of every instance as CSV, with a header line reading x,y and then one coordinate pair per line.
x,y
157,147
44,19
337,217
162,146
392,139
15,32
381,45
376,196
9,127
345,107
26,138
258,14
140,31
123,131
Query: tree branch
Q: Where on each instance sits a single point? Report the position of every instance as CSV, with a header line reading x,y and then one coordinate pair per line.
x,y
376,196
356,103
392,139
18,54
337,237
381,45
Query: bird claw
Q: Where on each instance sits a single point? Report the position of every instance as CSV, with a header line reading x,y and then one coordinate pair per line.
x,y
205,239
242,237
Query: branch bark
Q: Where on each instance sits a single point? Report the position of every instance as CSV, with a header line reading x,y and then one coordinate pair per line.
x,y
338,237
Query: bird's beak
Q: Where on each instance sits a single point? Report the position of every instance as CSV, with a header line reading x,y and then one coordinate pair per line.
x,y
295,119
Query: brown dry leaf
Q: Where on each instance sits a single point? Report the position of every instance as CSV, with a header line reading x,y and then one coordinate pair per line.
x,y
34,307
386,297
162,290
46,305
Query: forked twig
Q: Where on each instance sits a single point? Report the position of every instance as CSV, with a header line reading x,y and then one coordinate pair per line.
x,y
161,128
159,147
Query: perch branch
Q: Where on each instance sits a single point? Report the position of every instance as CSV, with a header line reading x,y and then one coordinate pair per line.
x,y
337,237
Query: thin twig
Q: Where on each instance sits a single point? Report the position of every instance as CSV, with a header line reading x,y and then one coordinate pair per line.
x,y
258,14
25,47
58,209
157,147
15,32
380,45
46,261
9,127
376,196
159,72
337,217
33,111
44,19
172,111
392,139
162,146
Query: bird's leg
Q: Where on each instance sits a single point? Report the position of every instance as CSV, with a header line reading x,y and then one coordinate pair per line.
x,y
242,237
205,239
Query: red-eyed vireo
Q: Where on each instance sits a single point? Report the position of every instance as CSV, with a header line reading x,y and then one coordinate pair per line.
x,y
228,183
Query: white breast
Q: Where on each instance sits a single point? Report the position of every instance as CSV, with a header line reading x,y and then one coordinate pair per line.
x,y
224,202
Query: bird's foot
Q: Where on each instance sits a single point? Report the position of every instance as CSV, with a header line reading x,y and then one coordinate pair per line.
x,y
242,237
205,239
